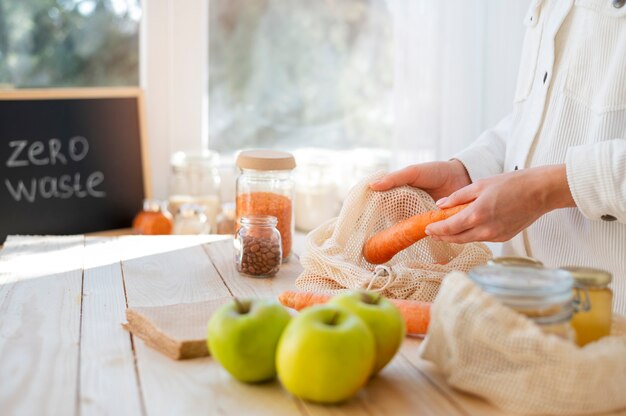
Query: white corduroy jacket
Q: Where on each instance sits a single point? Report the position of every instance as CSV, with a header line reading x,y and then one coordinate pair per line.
x,y
570,108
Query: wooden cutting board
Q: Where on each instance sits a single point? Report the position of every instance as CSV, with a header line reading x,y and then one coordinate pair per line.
x,y
178,331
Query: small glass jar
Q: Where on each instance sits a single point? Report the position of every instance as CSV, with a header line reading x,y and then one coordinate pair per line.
x,y
265,187
258,248
226,220
543,295
153,219
595,322
195,179
515,261
191,220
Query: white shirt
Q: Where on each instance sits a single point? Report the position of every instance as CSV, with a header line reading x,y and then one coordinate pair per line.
x,y
570,107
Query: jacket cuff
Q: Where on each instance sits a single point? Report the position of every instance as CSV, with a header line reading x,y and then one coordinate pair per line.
x,y
590,176
479,162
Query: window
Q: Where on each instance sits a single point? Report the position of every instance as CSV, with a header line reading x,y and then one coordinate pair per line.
x,y
286,74
57,43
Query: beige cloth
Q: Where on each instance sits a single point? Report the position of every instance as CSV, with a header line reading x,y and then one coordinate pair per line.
x,y
487,349
178,331
332,258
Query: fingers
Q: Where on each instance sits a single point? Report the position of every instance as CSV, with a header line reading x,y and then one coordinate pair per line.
x,y
393,180
462,196
467,236
454,225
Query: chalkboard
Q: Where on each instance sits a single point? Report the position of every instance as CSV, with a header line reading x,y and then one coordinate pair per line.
x,y
72,161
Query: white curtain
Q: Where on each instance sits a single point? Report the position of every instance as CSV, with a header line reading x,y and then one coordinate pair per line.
x,y
455,72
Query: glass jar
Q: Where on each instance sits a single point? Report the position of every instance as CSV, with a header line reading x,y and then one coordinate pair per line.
x,y
258,248
515,261
153,219
317,193
226,219
359,163
595,322
195,180
191,220
265,187
543,295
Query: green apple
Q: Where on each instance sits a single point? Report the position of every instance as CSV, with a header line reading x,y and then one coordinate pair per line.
x,y
383,319
243,335
325,355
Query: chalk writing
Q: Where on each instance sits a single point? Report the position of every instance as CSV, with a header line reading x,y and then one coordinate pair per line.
x,y
39,153
77,149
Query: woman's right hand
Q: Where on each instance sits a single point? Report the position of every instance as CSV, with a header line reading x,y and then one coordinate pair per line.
x,y
439,179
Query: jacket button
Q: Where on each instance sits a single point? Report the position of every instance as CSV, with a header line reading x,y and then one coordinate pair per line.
x,y
607,217
515,167
618,3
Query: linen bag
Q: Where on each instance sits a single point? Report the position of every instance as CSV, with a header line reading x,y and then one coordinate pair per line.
x,y
487,349
332,258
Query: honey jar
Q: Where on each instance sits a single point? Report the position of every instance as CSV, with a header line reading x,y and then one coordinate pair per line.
x,y
515,261
594,322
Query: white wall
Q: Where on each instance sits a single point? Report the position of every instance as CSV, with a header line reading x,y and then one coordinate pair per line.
x,y
456,70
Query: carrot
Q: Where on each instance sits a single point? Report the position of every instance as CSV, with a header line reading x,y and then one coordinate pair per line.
x,y
300,300
384,245
416,314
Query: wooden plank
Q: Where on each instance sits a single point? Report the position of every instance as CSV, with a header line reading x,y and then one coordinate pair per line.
x,y
399,389
176,270
69,93
108,379
470,404
40,325
222,256
163,270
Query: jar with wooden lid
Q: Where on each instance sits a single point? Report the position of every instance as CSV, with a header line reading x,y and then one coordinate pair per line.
x,y
595,322
543,295
265,187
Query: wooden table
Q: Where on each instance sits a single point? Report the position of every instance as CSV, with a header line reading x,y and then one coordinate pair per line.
x,y
63,350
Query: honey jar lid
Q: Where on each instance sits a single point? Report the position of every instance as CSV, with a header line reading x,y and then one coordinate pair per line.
x,y
588,276
266,160
515,261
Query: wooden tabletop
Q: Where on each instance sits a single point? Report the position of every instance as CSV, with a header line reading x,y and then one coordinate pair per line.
x,y
63,350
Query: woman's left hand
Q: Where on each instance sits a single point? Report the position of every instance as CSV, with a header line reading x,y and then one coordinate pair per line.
x,y
503,205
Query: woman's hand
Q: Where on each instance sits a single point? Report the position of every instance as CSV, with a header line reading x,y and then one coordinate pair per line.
x,y
503,205
439,179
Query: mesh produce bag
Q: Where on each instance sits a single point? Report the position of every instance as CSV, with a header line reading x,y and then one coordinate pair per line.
x,y
487,349
332,258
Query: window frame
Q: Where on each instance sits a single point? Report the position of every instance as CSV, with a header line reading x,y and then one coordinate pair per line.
x,y
173,72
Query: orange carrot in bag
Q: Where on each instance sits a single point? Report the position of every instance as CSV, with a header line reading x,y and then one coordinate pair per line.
x,y
301,300
387,243
416,314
